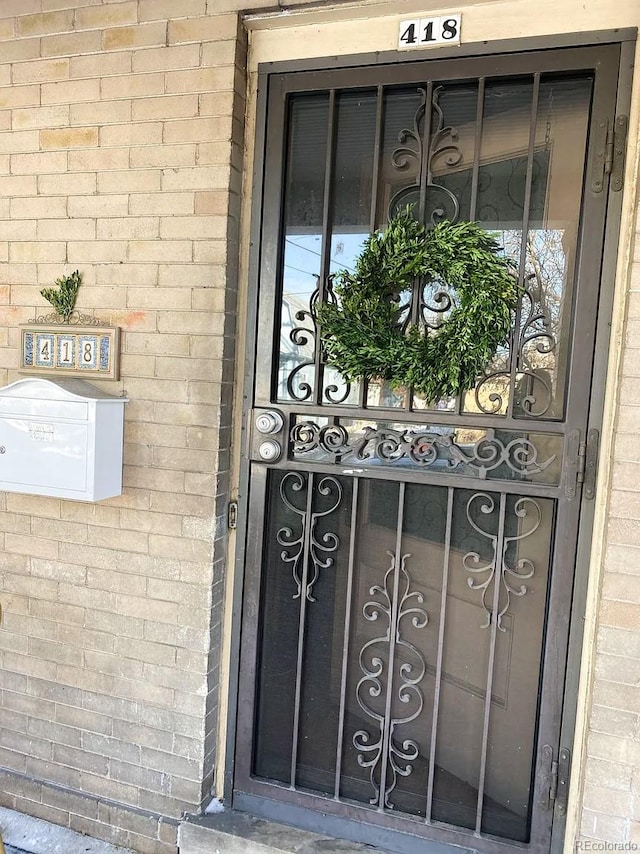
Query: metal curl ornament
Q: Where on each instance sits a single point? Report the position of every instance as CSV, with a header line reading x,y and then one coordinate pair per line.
x,y
364,337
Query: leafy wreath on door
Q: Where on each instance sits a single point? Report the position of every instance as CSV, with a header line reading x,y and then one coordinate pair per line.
x,y
360,330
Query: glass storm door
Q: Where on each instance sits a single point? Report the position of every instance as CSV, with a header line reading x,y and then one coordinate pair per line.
x,y
409,563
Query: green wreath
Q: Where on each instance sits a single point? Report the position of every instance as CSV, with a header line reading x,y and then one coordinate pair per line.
x,y
360,331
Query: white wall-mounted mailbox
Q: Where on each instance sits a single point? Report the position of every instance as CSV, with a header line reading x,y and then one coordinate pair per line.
x,y
62,438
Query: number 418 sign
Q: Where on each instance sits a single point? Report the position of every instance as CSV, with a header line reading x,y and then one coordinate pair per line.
x,y
426,32
74,351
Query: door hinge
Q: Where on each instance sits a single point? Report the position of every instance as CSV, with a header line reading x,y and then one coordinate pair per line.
x,y
556,780
590,466
581,464
615,156
619,152
573,461
609,155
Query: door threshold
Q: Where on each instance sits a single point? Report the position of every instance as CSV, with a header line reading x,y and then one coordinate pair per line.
x,y
235,832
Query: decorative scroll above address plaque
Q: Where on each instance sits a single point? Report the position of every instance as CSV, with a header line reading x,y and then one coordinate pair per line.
x,y
76,351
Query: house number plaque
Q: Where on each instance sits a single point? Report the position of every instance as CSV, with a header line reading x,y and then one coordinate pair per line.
x,y
429,32
76,351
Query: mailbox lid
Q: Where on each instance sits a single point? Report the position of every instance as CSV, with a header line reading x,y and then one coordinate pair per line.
x,y
63,389
43,398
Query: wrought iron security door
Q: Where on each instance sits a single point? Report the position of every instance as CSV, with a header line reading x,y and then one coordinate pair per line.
x,y
410,562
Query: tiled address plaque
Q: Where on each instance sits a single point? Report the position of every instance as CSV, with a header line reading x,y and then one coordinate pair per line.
x,y
78,351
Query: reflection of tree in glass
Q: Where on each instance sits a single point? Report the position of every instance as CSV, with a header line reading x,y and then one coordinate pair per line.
x,y
544,287
546,264
540,322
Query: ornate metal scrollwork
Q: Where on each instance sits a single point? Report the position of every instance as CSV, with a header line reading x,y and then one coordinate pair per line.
x,y
320,546
422,448
440,202
520,455
334,393
386,756
308,436
497,569
74,319
410,139
534,390
293,544
306,335
495,385
431,300
536,336
302,336
428,302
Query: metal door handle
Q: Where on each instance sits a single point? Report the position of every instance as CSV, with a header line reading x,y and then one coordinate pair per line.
x,y
269,422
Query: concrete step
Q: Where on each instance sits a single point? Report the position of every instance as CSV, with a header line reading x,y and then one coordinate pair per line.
x,y
233,832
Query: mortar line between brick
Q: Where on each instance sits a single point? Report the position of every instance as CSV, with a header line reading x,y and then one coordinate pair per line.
x,y
159,817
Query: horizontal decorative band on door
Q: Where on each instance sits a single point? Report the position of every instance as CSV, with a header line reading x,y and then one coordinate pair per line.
x,y
474,452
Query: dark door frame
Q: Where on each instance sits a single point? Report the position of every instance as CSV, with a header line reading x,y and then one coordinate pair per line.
x,y
625,39
599,392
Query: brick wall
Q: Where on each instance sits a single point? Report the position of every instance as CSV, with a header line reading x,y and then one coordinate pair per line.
x,y
611,800
120,153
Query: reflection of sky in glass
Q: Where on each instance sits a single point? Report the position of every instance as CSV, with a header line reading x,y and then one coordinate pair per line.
x,y
301,268
303,254
545,256
545,262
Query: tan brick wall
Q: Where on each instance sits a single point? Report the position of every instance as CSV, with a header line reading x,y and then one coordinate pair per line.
x,y
611,774
119,155
120,127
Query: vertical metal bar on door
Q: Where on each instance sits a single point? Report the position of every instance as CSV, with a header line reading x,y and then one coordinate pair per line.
x,y
426,140
425,167
438,684
325,250
523,246
301,627
377,151
347,631
393,621
497,582
475,175
477,145
373,212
